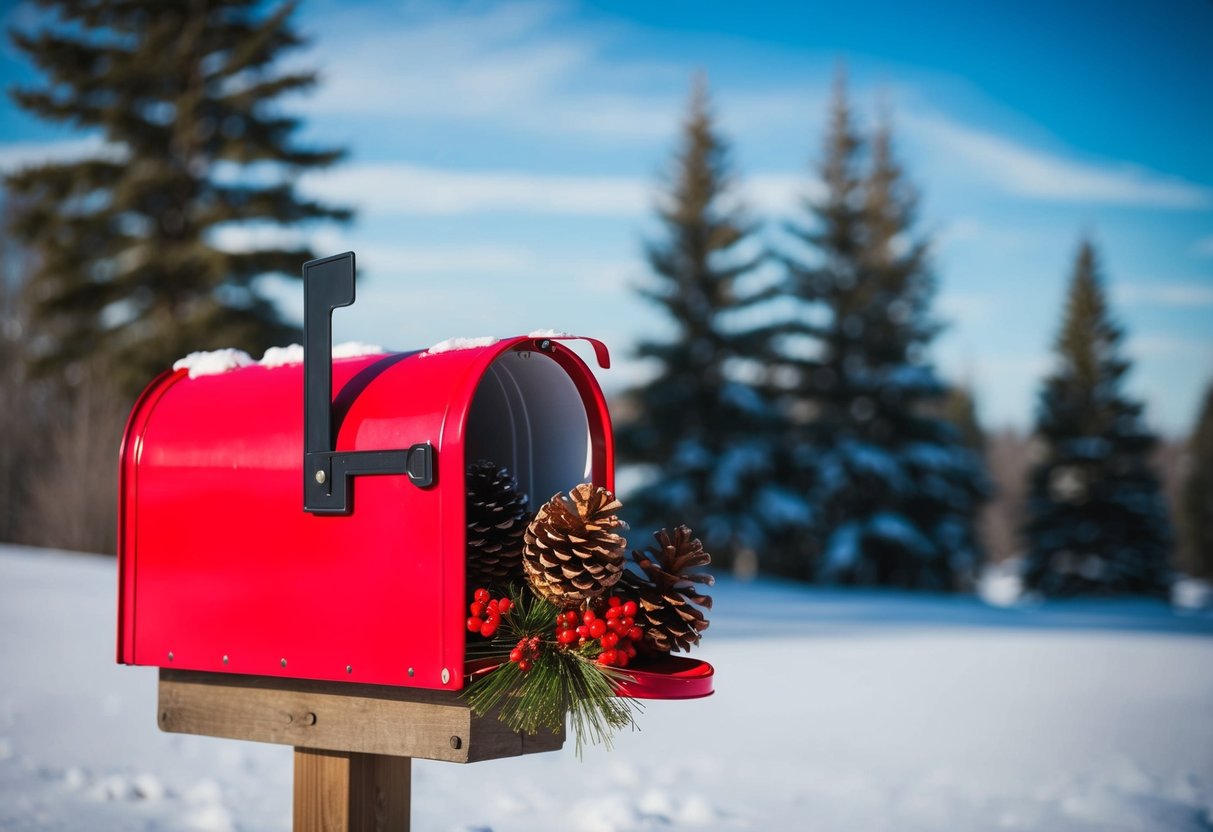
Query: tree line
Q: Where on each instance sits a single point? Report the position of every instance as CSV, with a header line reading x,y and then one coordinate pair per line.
x,y
794,417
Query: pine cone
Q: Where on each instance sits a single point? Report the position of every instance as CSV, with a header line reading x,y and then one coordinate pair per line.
x,y
571,551
666,595
496,519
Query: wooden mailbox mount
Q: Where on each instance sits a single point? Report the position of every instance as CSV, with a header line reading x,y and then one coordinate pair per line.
x,y
353,743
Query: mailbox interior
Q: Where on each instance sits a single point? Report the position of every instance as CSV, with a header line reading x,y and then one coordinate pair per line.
x,y
529,416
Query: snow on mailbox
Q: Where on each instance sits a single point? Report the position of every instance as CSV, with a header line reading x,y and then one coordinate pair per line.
x,y
308,517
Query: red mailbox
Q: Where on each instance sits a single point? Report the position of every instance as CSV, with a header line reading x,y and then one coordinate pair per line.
x,y
269,527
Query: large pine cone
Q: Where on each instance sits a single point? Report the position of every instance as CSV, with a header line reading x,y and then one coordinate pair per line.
x,y
496,518
666,595
571,552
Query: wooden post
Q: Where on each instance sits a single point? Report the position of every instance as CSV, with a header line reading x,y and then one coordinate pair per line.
x,y
354,744
342,791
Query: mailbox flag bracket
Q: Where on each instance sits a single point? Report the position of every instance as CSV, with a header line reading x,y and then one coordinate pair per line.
x,y
328,284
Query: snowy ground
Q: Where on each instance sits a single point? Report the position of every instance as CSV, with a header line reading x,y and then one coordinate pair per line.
x,y
834,711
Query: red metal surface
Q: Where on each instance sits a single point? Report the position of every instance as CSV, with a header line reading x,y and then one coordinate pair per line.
x,y
649,677
222,570
669,677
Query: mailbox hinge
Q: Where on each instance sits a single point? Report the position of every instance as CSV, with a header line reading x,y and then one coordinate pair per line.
x,y
327,474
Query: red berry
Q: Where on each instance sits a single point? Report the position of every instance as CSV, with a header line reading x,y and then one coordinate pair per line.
x,y
494,604
488,628
609,640
515,654
615,600
504,605
597,628
629,609
613,612
583,631
476,608
622,659
608,657
635,634
481,595
474,624
566,637
588,616
628,621
524,665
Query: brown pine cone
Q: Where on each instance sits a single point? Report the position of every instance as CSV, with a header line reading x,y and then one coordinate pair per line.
x,y
666,594
571,552
496,520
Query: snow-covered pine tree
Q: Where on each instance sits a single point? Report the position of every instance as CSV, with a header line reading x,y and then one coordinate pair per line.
x,y
893,486
184,96
1097,520
1196,499
697,431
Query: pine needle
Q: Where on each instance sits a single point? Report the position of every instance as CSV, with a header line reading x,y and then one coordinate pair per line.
x,y
560,680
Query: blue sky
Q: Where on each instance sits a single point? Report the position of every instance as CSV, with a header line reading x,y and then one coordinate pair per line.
x,y
505,159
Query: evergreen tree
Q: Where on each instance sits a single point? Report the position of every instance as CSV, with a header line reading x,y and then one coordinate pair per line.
x,y
1196,500
960,409
694,422
895,491
1097,520
185,97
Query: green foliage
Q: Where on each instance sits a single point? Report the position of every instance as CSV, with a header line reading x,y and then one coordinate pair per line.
x,y
1196,499
561,680
185,98
893,490
960,409
695,412
1097,520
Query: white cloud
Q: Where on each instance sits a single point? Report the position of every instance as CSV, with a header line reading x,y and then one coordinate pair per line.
x,y
1164,294
1029,172
405,189
505,63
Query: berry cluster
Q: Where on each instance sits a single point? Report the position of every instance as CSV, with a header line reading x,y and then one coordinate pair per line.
x,y
615,631
486,612
526,652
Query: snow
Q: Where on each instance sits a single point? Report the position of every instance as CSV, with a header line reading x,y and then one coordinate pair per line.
x,y
1192,594
868,711
782,507
213,362
897,528
221,361
452,344
549,333
842,548
282,356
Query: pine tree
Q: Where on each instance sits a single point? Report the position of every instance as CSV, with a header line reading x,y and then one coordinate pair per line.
x,y
694,425
960,409
1097,520
185,97
1196,500
894,489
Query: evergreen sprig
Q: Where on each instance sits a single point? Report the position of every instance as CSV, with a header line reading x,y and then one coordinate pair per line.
x,y
561,680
